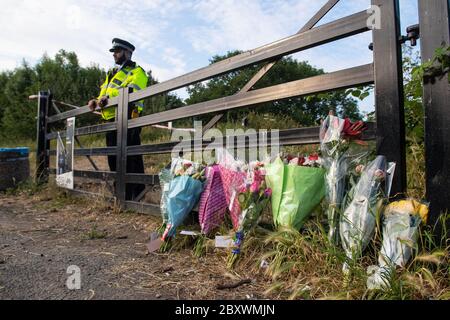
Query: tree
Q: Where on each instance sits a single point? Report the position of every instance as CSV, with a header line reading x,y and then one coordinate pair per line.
x,y
414,112
68,81
160,102
4,78
19,114
305,110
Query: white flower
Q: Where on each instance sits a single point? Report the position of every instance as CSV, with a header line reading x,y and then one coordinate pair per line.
x,y
190,171
294,162
308,162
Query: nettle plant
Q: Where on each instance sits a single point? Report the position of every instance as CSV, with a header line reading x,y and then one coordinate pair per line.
x,y
436,68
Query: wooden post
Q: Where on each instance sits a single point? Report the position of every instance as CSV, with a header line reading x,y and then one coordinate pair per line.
x,y
389,99
435,33
43,145
121,153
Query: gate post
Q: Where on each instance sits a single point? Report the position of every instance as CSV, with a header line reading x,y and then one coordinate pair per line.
x,y
389,98
435,32
43,145
121,151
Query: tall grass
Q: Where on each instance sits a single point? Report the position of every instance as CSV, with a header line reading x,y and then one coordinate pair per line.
x,y
415,163
304,265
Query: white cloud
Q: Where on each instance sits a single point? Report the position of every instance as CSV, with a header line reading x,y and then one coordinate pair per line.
x,y
244,25
175,58
9,63
341,54
31,28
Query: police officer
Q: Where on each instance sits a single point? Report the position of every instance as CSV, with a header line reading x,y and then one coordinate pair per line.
x,y
126,74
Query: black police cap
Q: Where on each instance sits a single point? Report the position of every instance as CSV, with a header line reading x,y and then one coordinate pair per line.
x,y
121,44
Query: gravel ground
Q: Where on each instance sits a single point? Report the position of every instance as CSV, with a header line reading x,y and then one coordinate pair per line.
x,y
42,235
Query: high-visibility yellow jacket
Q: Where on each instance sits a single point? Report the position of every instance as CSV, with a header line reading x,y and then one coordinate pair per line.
x,y
129,75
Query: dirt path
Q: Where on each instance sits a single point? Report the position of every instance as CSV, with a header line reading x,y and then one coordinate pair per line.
x,y
41,236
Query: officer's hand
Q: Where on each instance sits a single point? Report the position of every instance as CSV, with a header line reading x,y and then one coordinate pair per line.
x,y
92,104
102,102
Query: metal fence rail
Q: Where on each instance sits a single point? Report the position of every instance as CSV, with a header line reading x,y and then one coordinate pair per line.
x,y
288,137
352,77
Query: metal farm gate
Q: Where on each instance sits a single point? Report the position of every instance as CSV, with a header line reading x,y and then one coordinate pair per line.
x,y
385,73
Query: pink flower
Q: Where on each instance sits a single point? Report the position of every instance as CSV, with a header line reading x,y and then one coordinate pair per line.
x,y
359,169
268,192
379,174
258,176
313,157
254,187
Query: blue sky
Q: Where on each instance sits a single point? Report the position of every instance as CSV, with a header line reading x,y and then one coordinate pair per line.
x,y
174,36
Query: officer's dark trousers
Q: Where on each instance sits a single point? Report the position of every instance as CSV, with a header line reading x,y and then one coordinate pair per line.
x,y
135,164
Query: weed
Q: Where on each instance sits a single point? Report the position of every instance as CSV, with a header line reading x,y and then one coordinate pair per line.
x,y
95,234
27,187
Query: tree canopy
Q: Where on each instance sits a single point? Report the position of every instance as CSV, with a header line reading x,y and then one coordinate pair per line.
x,y
67,80
305,110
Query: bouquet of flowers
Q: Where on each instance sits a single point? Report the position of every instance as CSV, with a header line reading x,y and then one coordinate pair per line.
x,y
312,160
213,204
253,198
357,223
165,177
400,232
336,135
233,174
297,185
184,193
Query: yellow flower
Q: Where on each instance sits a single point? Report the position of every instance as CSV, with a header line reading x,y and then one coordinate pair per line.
x,y
423,212
409,206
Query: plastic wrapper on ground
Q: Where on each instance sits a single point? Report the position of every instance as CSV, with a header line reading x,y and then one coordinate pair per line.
x,y
357,223
338,155
213,204
296,191
165,177
334,160
400,233
233,174
184,194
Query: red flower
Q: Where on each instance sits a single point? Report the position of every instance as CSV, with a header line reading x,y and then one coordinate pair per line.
x,y
187,164
301,161
353,130
313,157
